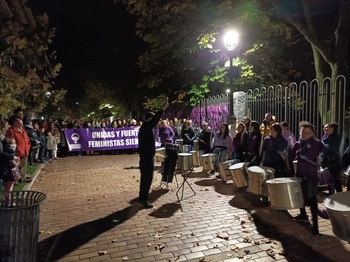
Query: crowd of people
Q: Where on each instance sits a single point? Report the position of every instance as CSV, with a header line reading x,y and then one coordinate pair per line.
x,y
272,144
267,143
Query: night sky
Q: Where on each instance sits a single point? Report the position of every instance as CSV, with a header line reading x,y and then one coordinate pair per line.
x,y
90,35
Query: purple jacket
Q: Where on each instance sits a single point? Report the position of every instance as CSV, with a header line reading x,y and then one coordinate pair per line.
x,y
307,152
252,143
220,141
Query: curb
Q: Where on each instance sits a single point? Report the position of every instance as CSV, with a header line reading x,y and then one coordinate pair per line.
x,y
35,175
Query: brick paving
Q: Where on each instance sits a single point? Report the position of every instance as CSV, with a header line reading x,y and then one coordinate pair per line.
x,y
91,214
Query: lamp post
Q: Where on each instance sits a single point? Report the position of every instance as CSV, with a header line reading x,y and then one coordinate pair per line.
x,y
230,41
48,96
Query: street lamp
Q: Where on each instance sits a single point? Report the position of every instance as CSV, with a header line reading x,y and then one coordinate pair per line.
x,y
230,41
48,96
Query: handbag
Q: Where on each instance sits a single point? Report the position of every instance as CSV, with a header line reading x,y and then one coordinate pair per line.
x,y
16,174
324,177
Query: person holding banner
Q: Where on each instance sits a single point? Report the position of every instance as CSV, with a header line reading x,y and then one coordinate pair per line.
x,y
147,151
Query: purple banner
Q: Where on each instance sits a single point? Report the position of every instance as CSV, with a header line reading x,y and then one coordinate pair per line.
x,y
83,139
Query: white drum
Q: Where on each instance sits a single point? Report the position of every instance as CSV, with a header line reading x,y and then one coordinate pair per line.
x,y
195,145
224,171
256,179
185,148
239,174
209,161
197,159
185,162
179,142
338,209
285,193
160,154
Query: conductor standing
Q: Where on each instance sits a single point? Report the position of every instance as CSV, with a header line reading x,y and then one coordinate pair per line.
x,y
147,151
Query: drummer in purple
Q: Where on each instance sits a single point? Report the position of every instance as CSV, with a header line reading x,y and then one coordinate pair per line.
x,y
166,133
306,151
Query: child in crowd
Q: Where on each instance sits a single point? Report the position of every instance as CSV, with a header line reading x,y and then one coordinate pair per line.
x,y
58,140
51,145
10,168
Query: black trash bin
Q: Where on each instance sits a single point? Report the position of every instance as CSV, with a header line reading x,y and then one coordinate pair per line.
x,y
19,225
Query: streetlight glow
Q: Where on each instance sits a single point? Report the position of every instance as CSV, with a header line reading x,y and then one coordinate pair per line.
x,y
48,95
231,40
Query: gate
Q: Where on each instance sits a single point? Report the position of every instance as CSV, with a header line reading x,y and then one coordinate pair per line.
x,y
318,103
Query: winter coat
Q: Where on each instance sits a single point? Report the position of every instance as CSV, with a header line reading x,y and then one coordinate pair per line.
x,y
22,141
307,152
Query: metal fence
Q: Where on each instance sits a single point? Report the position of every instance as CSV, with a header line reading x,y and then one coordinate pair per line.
x,y
316,102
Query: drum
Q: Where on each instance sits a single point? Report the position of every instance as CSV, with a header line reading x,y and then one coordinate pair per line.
x,y
160,154
239,174
338,209
179,142
209,161
256,179
196,155
185,162
195,145
185,148
285,193
224,169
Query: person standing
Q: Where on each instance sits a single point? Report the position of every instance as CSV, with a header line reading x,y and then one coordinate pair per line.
x,y
232,126
8,161
331,158
266,124
4,126
252,141
205,137
51,145
17,113
33,139
306,151
63,146
287,134
222,145
274,151
166,133
246,121
42,139
177,128
238,142
147,152
23,146
187,133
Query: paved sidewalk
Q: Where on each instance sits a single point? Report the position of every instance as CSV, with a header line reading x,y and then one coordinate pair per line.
x,y
91,214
